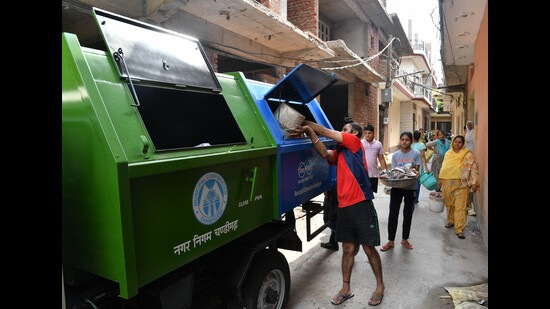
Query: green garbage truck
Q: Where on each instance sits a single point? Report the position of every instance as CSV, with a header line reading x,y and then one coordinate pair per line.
x,y
171,174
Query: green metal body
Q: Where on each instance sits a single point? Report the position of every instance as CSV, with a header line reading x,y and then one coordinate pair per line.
x,y
129,212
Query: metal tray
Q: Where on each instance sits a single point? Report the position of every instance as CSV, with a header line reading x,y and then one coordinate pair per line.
x,y
398,183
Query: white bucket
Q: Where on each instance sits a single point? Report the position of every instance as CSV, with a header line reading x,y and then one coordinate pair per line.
x,y
436,205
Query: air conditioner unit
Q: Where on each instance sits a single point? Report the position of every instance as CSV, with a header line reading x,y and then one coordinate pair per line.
x,y
385,121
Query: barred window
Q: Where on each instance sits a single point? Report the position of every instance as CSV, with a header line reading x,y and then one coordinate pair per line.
x,y
324,31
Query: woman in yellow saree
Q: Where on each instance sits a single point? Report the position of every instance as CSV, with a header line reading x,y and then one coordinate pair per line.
x,y
458,175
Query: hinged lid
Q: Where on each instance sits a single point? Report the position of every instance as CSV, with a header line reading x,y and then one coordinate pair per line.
x,y
155,54
301,85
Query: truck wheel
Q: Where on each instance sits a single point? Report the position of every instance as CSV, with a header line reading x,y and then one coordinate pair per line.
x,y
267,283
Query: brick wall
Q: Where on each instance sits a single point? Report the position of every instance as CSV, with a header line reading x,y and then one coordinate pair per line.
x,y
304,14
266,78
374,48
274,5
365,106
212,57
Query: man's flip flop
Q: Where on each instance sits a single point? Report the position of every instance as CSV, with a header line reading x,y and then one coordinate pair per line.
x,y
375,300
341,298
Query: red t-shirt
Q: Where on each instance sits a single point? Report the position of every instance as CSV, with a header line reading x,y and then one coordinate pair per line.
x,y
348,188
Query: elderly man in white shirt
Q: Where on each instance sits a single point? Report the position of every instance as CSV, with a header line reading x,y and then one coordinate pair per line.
x,y
469,136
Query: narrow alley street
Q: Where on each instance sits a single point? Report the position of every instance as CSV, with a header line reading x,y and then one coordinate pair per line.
x,y
414,279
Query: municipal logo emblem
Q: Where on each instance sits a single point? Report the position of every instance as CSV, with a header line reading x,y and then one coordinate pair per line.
x,y
209,198
305,168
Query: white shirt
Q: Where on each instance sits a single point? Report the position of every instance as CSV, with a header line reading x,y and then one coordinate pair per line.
x,y
469,138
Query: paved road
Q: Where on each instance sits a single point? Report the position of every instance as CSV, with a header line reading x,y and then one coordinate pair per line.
x,y
415,279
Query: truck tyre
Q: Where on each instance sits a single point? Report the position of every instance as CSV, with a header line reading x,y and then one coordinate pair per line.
x,y
267,283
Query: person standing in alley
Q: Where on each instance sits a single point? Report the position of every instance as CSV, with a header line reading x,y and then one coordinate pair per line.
x,y
357,220
375,156
406,156
422,137
458,175
418,145
440,146
330,213
469,136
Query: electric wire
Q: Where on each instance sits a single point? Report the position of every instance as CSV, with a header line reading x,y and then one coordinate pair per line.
x,y
361,61
213,45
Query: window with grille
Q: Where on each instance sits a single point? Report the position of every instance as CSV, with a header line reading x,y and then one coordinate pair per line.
x,y
324,31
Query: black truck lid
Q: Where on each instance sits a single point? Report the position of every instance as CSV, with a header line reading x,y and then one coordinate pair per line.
x,y
301,85
149,53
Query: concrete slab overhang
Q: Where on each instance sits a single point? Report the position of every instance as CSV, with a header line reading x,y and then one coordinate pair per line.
x,y
254,21
357,66
459,24
244,28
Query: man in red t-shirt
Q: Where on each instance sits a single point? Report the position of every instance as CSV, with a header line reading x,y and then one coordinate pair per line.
x,y
357,220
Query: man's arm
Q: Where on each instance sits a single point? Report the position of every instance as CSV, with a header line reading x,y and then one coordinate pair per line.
x,y
424,163
320,130
431,145
311,129
382,161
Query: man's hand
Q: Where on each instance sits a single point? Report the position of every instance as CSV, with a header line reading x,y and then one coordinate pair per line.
x,y
299,130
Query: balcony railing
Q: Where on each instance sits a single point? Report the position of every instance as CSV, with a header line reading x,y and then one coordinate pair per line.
x,y
415,86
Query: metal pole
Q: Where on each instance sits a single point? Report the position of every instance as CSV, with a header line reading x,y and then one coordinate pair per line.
x,y
388,75
386,105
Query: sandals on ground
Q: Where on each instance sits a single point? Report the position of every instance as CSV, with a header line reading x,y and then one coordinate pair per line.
x,y
407,245
341,298
375,300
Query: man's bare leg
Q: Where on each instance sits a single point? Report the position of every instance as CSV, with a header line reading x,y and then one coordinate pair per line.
x,y
376,265
348,259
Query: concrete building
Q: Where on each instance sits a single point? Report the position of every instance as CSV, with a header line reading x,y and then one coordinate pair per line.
x,y
464,54
412,100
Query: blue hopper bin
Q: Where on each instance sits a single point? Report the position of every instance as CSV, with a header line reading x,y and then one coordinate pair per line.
x,y
302,173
